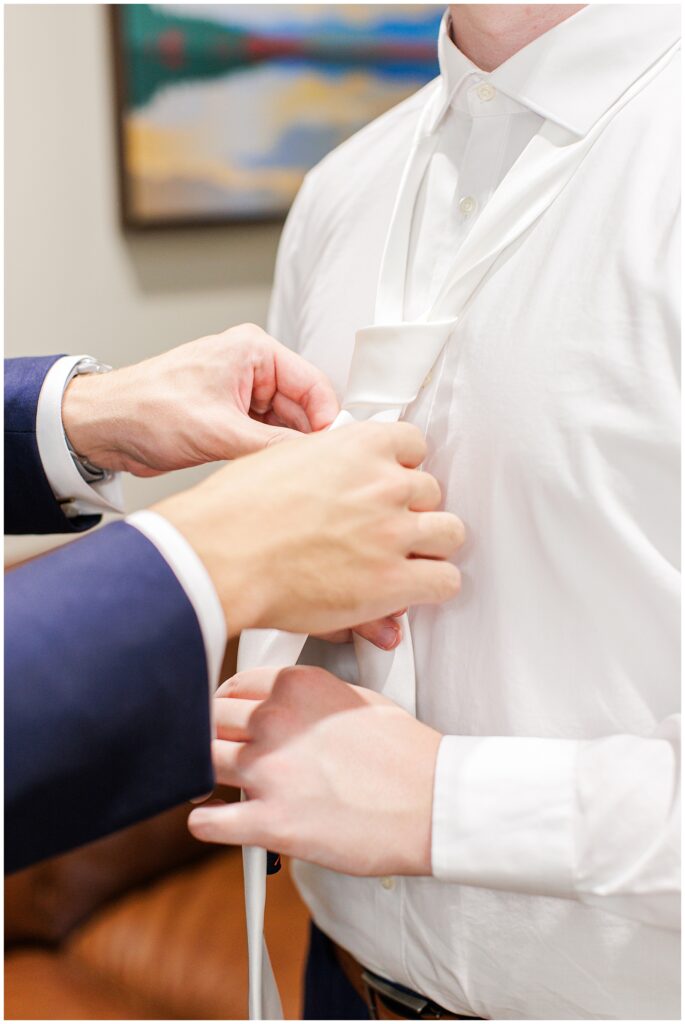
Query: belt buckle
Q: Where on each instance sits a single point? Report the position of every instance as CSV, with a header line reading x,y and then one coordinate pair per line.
x,y
378,988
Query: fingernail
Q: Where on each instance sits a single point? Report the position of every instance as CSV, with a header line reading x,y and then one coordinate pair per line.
x,y
389,637
201,799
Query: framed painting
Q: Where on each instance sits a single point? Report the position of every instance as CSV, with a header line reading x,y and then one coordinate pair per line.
x,y
222,108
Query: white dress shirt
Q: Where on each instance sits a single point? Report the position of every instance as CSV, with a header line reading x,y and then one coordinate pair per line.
x,y
552,419
79,498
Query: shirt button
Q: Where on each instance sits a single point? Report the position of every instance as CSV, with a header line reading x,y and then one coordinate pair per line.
x,y
467,205
388,883
485,92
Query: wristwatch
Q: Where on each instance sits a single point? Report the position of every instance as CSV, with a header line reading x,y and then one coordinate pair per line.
x,y
90,473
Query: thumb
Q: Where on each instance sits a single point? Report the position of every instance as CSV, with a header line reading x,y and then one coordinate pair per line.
x,y
238,824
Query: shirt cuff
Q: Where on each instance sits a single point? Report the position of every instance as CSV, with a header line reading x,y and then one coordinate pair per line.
x,y
504,810
195,580
76,496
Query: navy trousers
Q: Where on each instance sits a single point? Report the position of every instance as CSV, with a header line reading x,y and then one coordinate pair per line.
x,y
328,994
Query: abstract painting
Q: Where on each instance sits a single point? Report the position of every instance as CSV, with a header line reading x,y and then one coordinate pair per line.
x,y
223,108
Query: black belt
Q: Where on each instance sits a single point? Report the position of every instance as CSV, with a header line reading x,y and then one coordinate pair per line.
x,y
386,1000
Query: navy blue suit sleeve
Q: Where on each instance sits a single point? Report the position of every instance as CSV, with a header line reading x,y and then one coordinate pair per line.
x,y
30,505
106,694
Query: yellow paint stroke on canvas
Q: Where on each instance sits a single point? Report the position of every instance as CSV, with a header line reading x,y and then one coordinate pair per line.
x,y
163,154
356,98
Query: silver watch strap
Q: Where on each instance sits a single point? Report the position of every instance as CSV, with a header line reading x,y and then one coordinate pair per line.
x,y
90,473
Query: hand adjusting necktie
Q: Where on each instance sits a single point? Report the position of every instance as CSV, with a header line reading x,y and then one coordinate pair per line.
x,y
390,362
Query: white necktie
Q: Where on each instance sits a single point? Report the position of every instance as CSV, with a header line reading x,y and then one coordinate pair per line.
x,y
390,362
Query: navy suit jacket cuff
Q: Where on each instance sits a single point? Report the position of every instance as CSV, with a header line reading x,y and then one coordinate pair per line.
x,y
107,716
30,505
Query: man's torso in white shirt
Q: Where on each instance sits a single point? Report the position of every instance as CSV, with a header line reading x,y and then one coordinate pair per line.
x,y
552,423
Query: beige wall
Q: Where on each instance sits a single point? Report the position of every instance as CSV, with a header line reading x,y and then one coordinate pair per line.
x,y
74,282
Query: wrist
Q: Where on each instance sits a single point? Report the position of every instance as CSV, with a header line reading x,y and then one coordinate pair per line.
x,y
230,563
419,841
93,418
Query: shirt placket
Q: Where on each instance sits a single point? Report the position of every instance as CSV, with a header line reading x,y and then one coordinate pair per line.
x,y
389,900
482,164
483,131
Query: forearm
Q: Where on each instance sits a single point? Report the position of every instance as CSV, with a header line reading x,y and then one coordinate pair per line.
x,y
106,705
594,820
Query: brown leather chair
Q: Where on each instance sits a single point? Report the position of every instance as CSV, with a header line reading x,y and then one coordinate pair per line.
x,y
145,924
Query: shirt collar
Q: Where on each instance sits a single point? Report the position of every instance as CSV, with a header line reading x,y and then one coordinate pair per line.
x,y
574,72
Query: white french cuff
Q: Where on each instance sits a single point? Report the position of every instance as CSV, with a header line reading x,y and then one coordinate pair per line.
x,y
76,495
504,813
195,580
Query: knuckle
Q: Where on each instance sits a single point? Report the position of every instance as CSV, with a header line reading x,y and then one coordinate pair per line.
x,y
379,435
288,690
414,436
390,579
251,328
352,436
281,826
411,431
267,719
394,533
289,679
393,436
252,333
397,486
245,762
298,683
